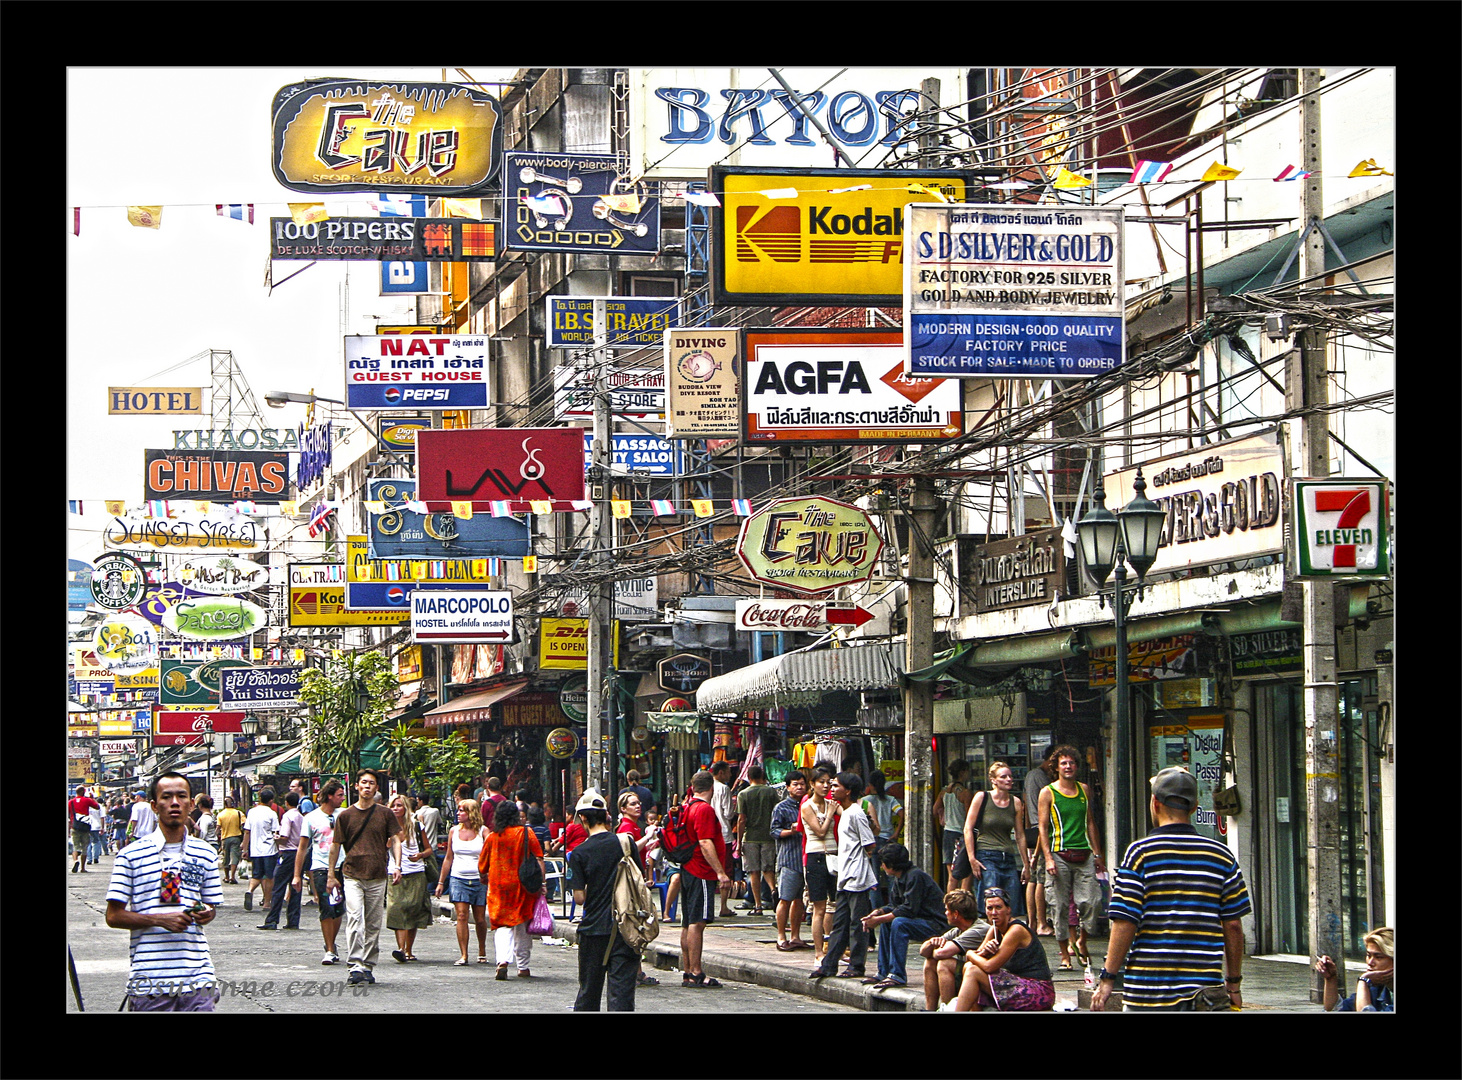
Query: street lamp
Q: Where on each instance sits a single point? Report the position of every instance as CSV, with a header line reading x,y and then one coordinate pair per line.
x,y
1110,541
208,768
278,399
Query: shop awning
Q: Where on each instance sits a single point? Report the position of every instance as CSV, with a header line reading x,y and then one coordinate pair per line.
x,y
472,708
801,678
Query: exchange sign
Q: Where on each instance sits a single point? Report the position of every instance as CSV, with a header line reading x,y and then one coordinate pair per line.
x,y
810,545
1013,291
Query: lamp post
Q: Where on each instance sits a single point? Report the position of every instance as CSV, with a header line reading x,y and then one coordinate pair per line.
x,y
1109,542
208,768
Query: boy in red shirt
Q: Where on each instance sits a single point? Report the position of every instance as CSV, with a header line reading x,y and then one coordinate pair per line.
x,y
77,813
702,877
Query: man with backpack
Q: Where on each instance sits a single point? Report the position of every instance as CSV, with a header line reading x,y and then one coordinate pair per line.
x,y
593,869
692,838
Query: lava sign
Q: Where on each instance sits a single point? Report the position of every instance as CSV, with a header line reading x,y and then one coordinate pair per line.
x,y
1013,291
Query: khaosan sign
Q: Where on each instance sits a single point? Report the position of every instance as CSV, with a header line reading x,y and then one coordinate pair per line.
x,y
1014,291
512,465
415,371
398,531
842,386
334,135
702,383
809,545
576,202
477,616
823,236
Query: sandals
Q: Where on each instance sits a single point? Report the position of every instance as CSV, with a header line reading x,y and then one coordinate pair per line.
x,y
482,959
525,974
399,956
1065,964
702,981
461,961
1084,957
884,984
647,980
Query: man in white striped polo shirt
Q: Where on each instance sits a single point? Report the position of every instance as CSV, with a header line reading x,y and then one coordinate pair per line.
x,y
165,888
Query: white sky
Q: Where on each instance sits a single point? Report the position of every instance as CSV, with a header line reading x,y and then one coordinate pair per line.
x,y
141,301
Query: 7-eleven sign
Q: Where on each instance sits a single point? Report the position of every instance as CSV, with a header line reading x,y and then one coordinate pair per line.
x,y
1341,528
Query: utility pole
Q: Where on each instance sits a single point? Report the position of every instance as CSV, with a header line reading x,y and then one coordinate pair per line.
x,y
1306,386
601,594
919,633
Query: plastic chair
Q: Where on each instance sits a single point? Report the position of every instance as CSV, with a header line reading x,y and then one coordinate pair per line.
x,y
664,887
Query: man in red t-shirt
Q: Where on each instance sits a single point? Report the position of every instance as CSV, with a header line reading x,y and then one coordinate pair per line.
x,y
702,878
77,811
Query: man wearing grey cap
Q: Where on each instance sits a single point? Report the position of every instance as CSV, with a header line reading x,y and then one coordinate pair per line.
x,y
1177,901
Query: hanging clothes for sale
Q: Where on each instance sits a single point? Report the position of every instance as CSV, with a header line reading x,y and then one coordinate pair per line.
x,y
830,752
753,757
804,755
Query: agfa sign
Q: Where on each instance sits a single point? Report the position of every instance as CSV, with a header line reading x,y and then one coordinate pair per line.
x,y
810,545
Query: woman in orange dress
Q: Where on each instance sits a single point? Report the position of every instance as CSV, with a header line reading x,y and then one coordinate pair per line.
x,y
509,905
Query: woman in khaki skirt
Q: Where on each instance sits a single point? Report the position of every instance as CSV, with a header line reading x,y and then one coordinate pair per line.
x,y
408,904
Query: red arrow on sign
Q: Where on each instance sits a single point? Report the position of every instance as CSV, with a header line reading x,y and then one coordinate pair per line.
x,y
854,615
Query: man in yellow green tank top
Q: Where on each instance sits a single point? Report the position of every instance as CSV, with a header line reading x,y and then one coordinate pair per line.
x,y
1070,847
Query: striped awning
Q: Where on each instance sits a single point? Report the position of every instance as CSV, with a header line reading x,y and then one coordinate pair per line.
x,y
801,678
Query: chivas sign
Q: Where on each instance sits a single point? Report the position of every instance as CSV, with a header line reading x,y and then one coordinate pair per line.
x,y
224,475
513,465
810,545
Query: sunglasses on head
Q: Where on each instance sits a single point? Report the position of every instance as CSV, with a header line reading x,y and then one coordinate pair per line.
x,y
997,893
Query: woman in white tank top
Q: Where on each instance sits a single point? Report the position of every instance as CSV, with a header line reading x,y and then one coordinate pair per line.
x,y
464,847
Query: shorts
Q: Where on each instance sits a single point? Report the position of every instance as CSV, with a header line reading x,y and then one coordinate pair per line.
x,y
468,892
322,890
820,884
946,844
1016,994
80,838
789,883
758,857
697,900
263,867
233,847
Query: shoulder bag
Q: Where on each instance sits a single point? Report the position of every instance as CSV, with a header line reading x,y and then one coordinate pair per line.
x,y
962,868
530,874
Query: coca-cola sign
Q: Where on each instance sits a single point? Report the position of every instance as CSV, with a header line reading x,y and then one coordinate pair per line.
x,y
196,721
809,616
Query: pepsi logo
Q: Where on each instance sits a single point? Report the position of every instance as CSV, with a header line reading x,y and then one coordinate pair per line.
x,y
393,394
396,595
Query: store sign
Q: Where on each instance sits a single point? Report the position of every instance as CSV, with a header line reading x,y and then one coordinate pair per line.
x,y
387,584
1174,657
409,242
78,584
683,120
221,575
416,371
578,203
816,236
531,710
630,322
573,698
1195,745
1267,652
635,599
210,672
400,435
117,582
637,453
1021,571
809,545
782,616
237,439
215,618
634,393
260,687
563,643
683,673
154,401
1222,501
842,386
1014,291
1341,528
117,747
179,684
183,532
126,642
478,616
401,532
333,135
223,475
187,727
317,598
702,383
314,455
514,465
561,743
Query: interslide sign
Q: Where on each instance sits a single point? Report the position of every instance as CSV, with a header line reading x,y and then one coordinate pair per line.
x,y
480,617
1027,292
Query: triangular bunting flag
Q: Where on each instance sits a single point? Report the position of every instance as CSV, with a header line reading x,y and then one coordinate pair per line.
x,y
661,507
461,509
530,564
288,509
1219,171
500,508
1289,172
933,193
541,506
702,507
620,507
74,505
76,224
1368,167
145,217
778,193
625,204
701,198
1066,180
116,507
462,208
581,504
418,571
307,213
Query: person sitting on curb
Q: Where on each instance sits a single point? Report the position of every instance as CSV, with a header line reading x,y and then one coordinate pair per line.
x,y
915,913
1009,971
1374,991
944,956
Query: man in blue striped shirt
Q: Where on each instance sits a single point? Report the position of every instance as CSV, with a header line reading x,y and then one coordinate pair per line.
x,y
1177,901
165,888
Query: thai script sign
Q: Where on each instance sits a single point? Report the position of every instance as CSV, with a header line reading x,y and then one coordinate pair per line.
x,y
1014,291
809,545
702,383
154,401
260,687
824,236
401,371
226,475
842,386
408,241
1341,528
576,202
1023,570
513,465
1222,501
335,135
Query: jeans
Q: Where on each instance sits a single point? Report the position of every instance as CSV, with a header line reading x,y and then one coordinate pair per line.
x,y
893,944
365,915
848,931
284,879
94,846
1002,869
624,965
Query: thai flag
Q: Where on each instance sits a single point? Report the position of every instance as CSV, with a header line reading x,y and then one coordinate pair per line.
x,y
1150,172
318,517
494,566
157,508
245,506
661,507
742,507
438,569
74,505
500,508
400,205
237,211
1289,173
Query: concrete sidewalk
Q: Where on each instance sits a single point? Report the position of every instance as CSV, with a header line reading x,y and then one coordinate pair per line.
x,y
744,948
